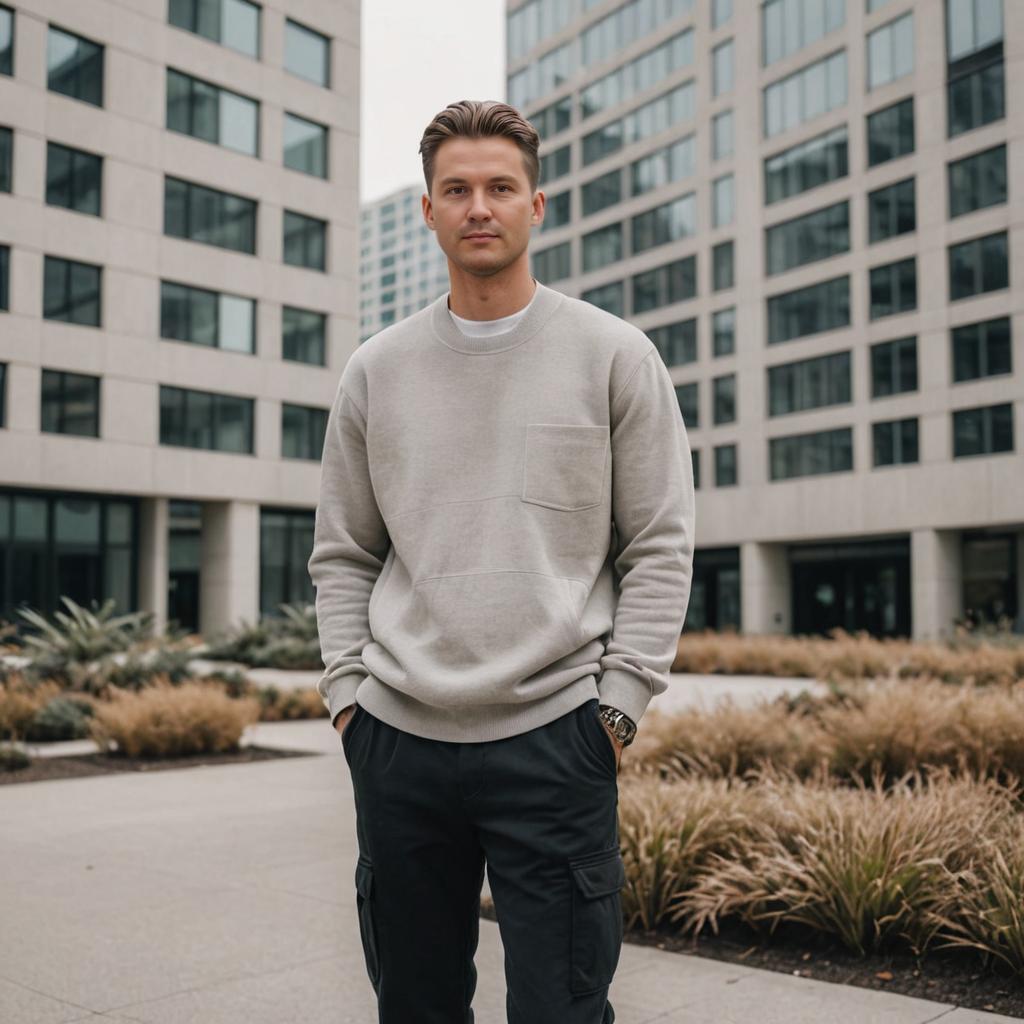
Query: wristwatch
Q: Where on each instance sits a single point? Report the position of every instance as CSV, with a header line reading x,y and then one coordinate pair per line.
x,y
622,726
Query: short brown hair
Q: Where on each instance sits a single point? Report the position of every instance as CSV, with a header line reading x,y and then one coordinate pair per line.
x,y
477,119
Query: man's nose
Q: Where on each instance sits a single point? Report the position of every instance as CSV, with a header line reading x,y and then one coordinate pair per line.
x,y
479,209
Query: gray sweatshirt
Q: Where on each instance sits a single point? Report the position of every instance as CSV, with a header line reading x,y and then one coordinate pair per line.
x,y
505,526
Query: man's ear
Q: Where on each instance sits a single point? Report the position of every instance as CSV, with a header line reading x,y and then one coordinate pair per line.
x,y
428,211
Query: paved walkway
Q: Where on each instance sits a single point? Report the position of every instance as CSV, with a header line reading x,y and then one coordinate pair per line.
x,y
224,895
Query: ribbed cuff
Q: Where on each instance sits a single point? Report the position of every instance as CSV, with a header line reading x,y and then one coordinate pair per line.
x,y
340,693
624,691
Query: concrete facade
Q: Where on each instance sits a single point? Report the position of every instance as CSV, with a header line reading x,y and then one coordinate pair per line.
x,y
929,507
127,459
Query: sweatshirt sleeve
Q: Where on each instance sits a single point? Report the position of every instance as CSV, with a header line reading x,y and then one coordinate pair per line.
x,y
654,516
350,545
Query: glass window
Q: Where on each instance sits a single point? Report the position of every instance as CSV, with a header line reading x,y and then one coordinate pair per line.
x,y
722,266
818,307
303,336
553,119
723,395
644,72
723,332
722,68
825,451
305,145
676,343
6,41
891,51
653,117
814,236
553,264
809,384
982,349
891,211
286,543
600,248
232,23
609,297
6,159
305,241
721,12
893,288
205,419
664,285
534,22
790,25
689,406
73,178
74,66
894,442
721,135
695,463
725,465
972,25
891,132
893,367
626,24
5,274
805,94
71,291
553,165
976,98
557,212
302,431
984,430
977,181
307,53
662,167
70,403
601,192
669,222
208,215
208,112
805,166
206,317
722,201
978,265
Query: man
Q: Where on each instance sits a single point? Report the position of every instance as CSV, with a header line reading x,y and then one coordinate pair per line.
x,y
502,559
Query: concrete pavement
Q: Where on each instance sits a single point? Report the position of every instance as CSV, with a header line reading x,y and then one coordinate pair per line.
x,y
225,895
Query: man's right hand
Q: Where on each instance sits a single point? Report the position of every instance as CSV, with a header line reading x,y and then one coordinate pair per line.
x,y
343,716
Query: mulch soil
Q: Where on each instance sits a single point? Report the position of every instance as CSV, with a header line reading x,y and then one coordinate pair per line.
x,y
76,766
944,976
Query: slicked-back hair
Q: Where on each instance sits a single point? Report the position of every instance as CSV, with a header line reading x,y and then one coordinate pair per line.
x,y
478,119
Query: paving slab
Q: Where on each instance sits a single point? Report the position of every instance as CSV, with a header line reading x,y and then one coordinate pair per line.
x,y
211,895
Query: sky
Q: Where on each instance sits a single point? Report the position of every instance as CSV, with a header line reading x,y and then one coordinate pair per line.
x,y
416,59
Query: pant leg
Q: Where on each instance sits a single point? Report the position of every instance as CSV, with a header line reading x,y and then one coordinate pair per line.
x,y
548,821
418,875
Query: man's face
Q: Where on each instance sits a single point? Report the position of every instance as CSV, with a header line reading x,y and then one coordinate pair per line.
x,y
480,203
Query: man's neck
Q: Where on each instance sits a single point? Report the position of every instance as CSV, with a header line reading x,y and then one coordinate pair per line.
x,y
482,299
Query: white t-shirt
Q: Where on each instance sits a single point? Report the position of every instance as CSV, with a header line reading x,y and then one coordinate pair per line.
x,y
489,328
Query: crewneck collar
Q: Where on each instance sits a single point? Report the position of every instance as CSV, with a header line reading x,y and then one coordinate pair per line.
x,y
545,301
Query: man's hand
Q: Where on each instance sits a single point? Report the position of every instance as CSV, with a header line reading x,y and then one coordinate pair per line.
x,y
343,716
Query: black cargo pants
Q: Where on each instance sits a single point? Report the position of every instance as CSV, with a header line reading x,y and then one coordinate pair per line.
x,y
541,810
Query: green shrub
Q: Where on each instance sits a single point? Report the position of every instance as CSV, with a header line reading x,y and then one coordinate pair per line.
x,y
62,718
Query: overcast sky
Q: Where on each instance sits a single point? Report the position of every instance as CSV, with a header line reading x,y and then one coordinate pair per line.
x,y
416,59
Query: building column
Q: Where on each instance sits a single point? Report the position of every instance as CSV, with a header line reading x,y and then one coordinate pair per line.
x,y
229,580
154,559
936,583
765,588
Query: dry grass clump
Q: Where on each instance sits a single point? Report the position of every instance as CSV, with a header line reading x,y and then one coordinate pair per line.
x,y
876,867
20,699
988,660
886,728
166,720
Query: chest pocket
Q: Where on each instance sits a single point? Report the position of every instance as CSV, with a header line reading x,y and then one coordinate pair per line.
x,y
564,465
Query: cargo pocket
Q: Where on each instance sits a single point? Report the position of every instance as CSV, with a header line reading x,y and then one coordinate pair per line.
x,y
597,882
365,909
564,465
